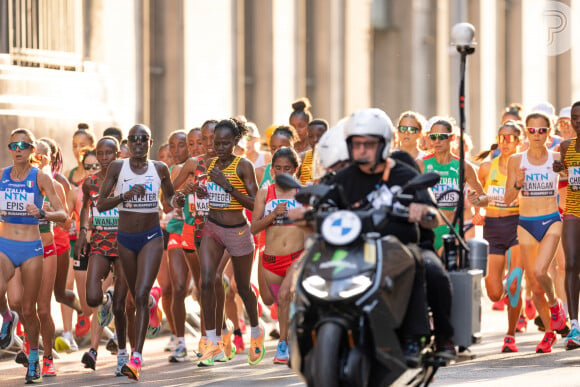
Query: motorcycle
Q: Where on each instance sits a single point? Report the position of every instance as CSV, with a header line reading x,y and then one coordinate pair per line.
x,y
352,288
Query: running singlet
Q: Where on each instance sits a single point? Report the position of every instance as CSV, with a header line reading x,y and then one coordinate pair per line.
x,y
572,162
105,221
147,203
540,180
218,197
267,179
16,195
175,224
272,201
44,225
306,168
449,180
495,189
196,209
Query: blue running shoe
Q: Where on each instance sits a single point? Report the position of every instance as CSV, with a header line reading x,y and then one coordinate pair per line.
x,y
105,313
282,353
572,341
7,331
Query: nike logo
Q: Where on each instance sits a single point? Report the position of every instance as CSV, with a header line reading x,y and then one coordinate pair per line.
x,y
545,222
150,236
240,233
5,180
126,180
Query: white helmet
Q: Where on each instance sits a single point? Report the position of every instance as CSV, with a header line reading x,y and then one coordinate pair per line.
x,y
370,122
330,150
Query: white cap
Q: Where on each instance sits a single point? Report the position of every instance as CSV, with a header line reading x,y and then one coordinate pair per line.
x,y
252,130
544,107
565,112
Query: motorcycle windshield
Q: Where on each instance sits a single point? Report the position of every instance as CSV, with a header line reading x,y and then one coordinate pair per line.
x,y
339,262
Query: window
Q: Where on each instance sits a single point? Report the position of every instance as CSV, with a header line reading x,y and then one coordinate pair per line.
x,y
46,33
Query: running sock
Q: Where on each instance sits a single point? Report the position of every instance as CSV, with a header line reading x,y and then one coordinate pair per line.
x,y
225,331
107,298
238,332
181,341
92,350
255,332
565,306
219,338
33,356
574,324
211,336
67,335
138,356
122,352
6,316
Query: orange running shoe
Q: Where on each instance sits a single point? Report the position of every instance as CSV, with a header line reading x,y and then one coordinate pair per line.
x,y
274,311
500,305
210,354
229,347
257,349
154,320
547,342
83,326
557,317
48,366
509,345
522,325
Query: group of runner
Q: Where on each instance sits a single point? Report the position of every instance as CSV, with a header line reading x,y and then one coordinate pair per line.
x,y
209,213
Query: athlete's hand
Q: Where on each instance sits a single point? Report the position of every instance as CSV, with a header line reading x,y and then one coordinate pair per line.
x,y
136,190
179,199
33,210
521,177
218,177
560,168
280,209
478,219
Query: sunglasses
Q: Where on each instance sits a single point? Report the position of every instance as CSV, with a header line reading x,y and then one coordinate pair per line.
x,y
19,145
506,138
138,137
92,166
540,130
368,145
439,136
409,129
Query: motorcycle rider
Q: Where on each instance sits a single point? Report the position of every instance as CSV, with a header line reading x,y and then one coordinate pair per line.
x,y
371,177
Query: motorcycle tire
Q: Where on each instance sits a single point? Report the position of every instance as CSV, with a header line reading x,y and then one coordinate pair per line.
x,y
327,356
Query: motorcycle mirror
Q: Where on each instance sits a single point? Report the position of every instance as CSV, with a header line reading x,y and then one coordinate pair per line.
x,y
286,181
422,181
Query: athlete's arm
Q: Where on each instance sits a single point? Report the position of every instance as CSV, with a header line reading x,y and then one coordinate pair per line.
x,y
246,172
477,196
46,185
84,219
184,172
259,221
105,202
515,175
174,199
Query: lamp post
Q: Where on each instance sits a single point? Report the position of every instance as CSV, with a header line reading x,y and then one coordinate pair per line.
x,y
462,38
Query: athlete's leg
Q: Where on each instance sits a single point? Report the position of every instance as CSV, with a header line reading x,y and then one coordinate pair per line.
x,y
570,233
209,252
179,275
31,274
166,283
546,252
47,328
242,273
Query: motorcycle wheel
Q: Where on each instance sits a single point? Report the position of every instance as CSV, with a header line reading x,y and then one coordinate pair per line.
x,y
327,356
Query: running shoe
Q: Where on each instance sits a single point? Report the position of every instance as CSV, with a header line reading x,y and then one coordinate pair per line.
x,y
105,312
121,361
179,355
73,345
201,346
19,329
154,319
274,311
112,346
530,309
90,359
21,358
229,346
239,343
257,349
25,345
33,374
83,326
153,331
509,345
132,368
171,344
545,345
7,331
557,317
48,366
522,325
499,305
222,358
242,324
572,341
282,353
210,354
274,333
539,323
446,349
61,344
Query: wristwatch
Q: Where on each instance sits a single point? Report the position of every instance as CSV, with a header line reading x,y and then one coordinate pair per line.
x,y
41,214
516,186
230,189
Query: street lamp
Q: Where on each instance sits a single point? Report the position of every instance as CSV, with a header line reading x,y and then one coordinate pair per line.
x,y
462,38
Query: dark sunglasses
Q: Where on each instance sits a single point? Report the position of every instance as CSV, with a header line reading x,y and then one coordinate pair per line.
x,y
91,166
19,145
540,130
439,136
409,129
506,138
138,137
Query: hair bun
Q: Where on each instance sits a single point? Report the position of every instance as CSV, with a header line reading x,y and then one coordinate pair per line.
x,y
301,105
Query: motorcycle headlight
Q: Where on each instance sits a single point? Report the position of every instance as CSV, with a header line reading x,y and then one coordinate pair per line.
x,y
338,289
